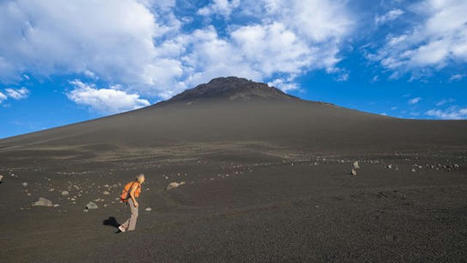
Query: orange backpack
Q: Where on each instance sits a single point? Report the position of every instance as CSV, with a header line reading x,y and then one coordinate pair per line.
x,y
126,190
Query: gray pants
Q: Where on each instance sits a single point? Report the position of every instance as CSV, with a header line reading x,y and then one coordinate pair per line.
x,y
130,224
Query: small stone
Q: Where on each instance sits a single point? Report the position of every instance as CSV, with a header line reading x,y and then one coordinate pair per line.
x,y
105,193
28,194
413,170
354,172
24,184
455,166
43,202
65,193
56,205
85,210
76,187
91,205
1,178
389,166
356,165
173,185
51,189
148,209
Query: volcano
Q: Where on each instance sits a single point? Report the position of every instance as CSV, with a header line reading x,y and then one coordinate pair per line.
x,y
267,177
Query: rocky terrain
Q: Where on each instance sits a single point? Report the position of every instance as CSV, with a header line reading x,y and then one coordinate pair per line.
x,y
238,171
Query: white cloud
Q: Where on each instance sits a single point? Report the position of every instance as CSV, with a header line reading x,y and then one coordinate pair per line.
x,y
17,94
435,42
389,16
283,84
452,113
222,7
2,97
141,45
414,100
456,77
111,100
112,39
444,101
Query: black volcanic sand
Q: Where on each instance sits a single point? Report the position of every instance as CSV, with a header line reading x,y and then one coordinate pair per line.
x,y
265,182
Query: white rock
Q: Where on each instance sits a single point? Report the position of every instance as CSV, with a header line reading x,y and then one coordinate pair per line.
x,y
56,205
1,178
354,172
24,184
356,165
65,193
105,193
148,209
173,185
389,166
43,202
91,205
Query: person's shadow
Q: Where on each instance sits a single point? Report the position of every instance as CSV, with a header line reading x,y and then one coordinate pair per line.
x,y
111,221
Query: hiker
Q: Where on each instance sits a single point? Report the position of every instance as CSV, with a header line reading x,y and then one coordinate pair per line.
x,y
131,191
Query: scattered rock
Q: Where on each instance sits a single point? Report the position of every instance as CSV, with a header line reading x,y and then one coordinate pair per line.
x,y
148,209
56,205
105,193
85,210
356,165
354,172
91,205
455,166
1,178
76,187
24,184
389,166
173,185
413,170
51,189
43,202
65,193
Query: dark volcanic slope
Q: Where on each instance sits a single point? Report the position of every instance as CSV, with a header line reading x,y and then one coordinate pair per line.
x,y
267,179
242,110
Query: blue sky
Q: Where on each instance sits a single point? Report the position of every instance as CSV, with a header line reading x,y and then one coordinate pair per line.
x,y
67,61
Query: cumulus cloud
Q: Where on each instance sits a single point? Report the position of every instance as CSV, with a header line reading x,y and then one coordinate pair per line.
x,y
221,7
452,113
415,100
17,94
105,100
142,46
111,39
437,40
389,16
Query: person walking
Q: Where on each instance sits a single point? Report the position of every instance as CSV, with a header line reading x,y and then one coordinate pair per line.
x,y
130,193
